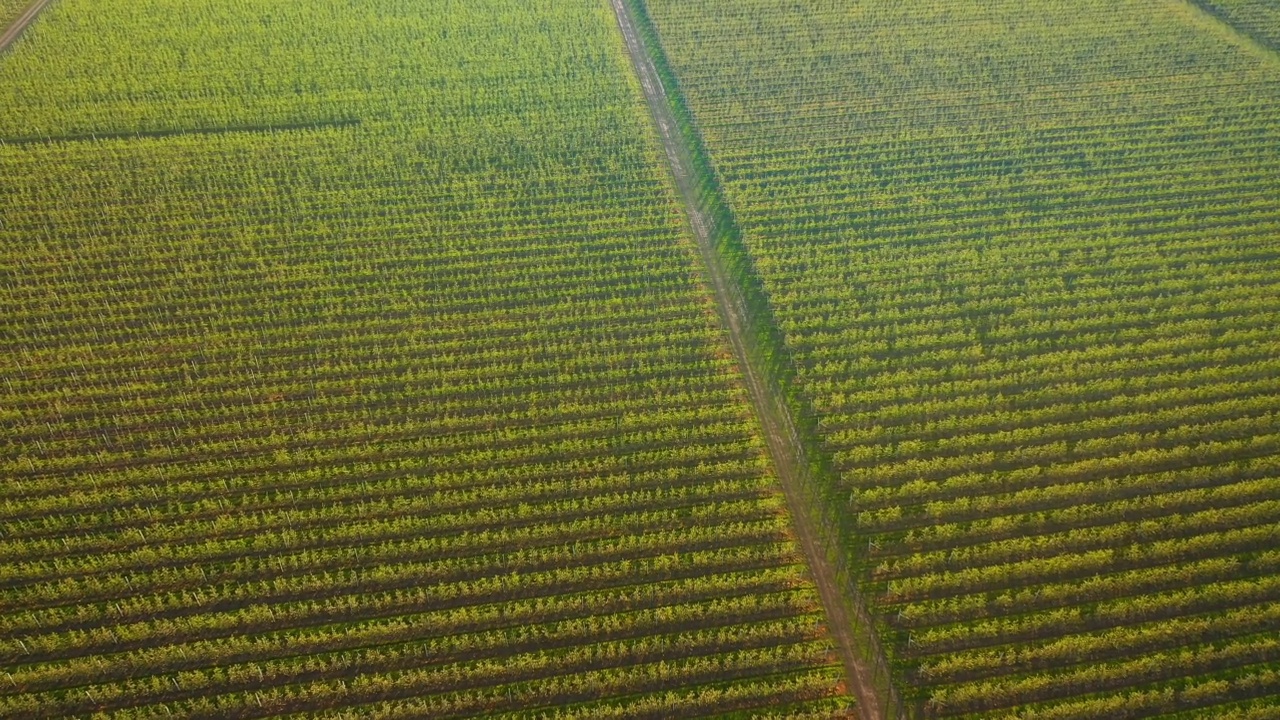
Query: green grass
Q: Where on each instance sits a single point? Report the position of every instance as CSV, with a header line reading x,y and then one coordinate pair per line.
x,y
1026,258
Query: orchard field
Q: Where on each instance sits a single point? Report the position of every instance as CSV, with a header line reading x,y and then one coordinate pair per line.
x,y
375,359
1025,257
357,363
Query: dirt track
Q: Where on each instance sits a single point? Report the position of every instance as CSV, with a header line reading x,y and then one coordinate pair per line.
x,y
778,425
12,32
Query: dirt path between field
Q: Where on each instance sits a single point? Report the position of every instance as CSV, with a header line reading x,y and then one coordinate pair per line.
x,y
779,427
14,30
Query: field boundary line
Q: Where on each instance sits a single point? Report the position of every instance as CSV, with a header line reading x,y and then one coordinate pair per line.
x,y
788,425
28,16
1214,21
159,134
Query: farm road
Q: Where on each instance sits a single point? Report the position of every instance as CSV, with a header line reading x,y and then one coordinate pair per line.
x,y
778,425
28,16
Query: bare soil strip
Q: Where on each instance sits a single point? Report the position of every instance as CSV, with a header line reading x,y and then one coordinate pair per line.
x,y
28,16
780,430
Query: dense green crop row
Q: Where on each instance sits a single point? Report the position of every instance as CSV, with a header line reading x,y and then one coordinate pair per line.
x,y
1026,259
416,408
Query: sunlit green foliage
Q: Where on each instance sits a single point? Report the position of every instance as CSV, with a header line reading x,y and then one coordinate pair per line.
x,y
471,72
425,413
1026,257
